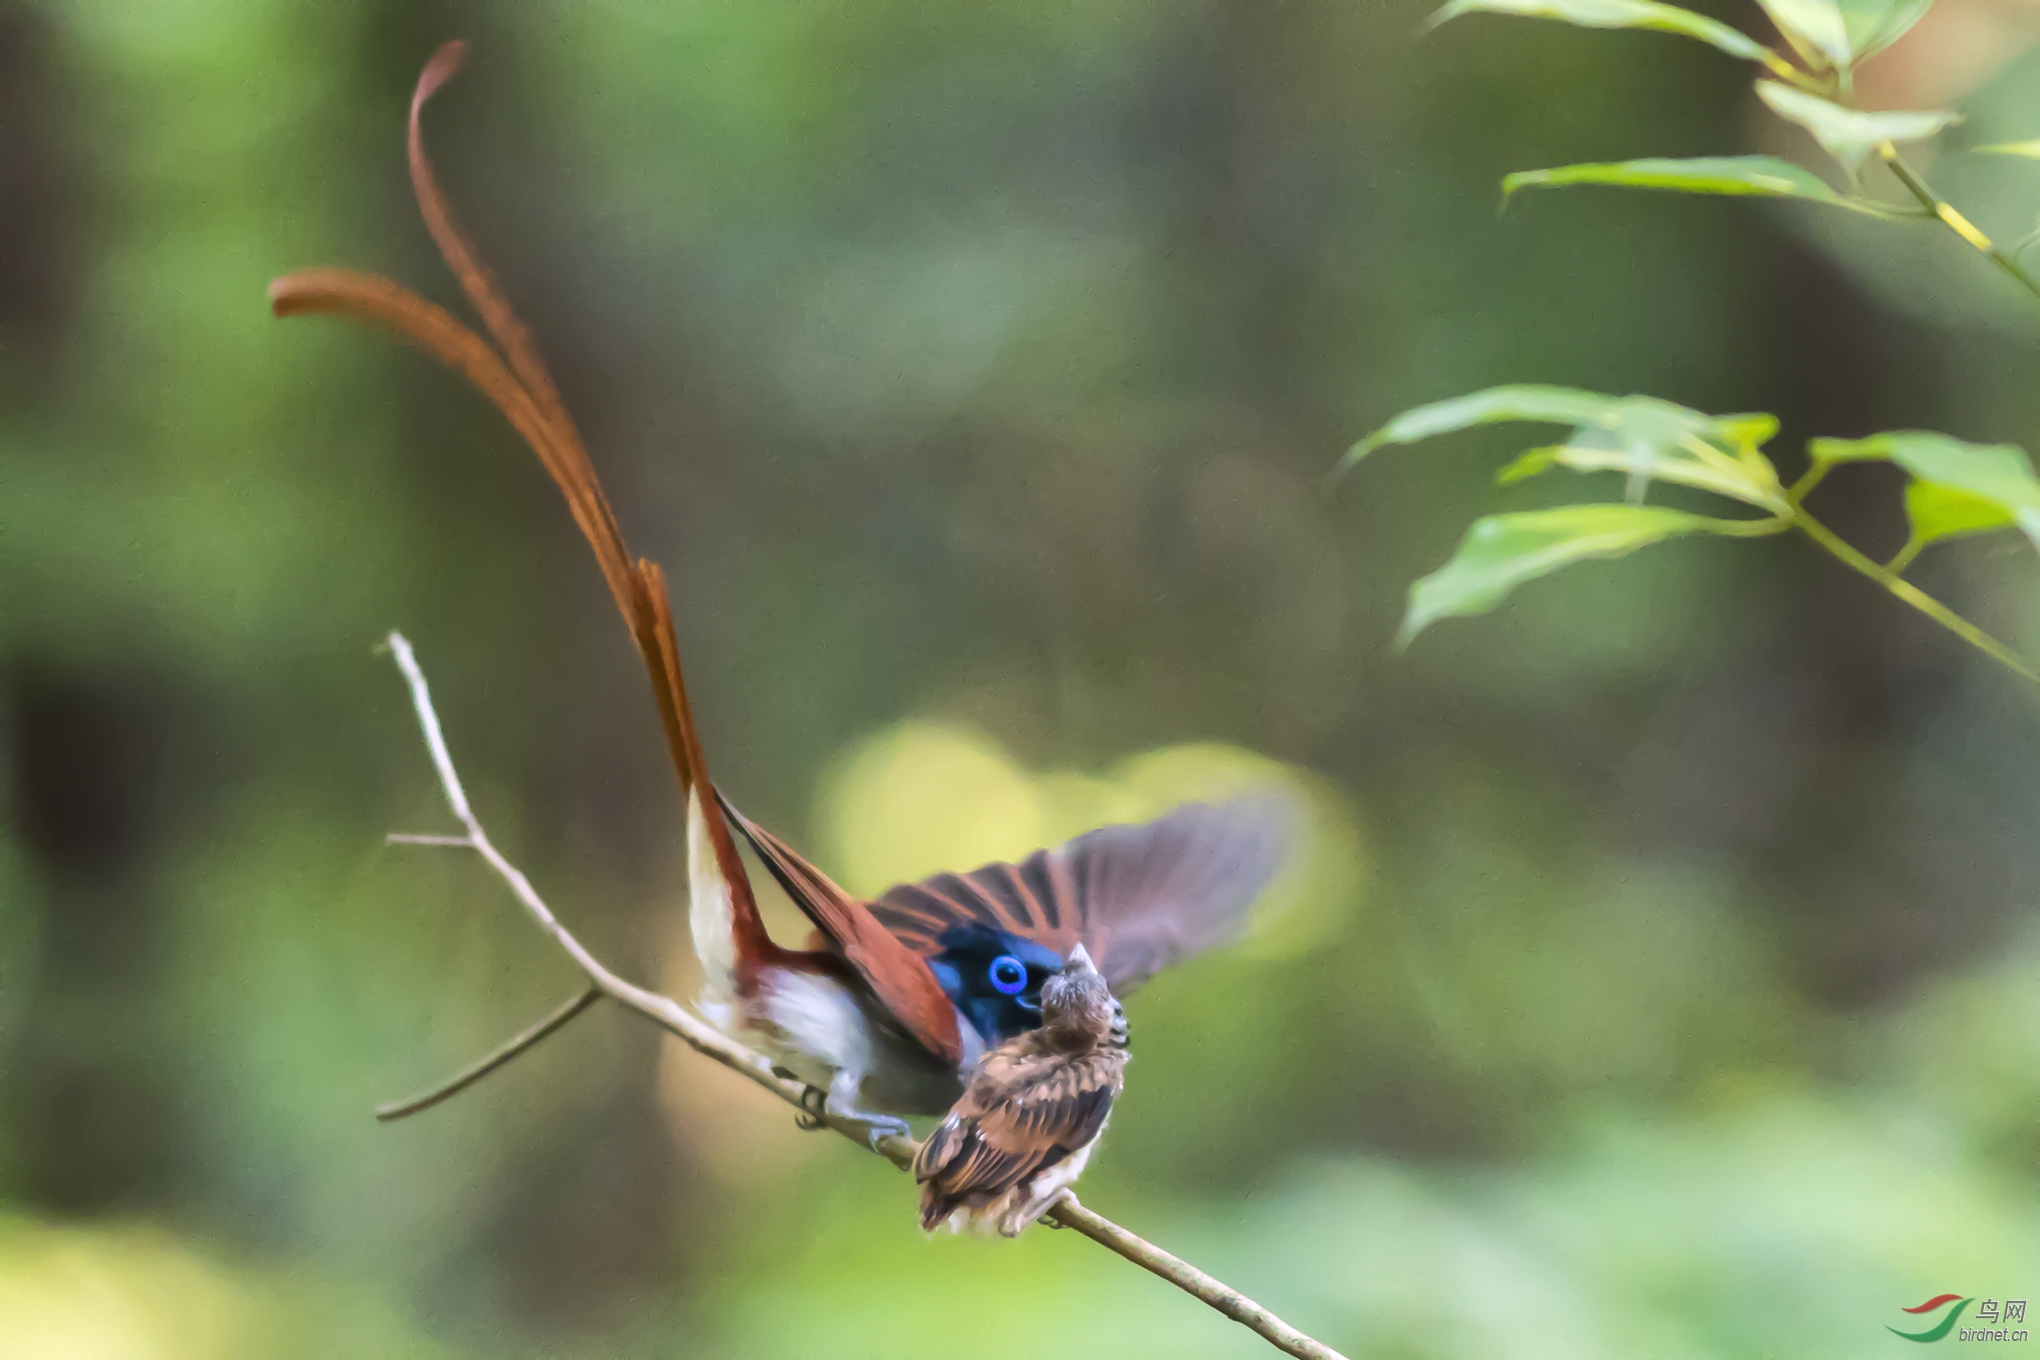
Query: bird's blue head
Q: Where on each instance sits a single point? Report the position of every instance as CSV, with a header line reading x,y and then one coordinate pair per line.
x,y
994,977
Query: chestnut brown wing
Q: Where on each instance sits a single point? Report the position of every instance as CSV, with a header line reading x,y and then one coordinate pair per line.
x,y
897,975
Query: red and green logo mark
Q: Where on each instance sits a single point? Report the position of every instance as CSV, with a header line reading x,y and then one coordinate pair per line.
x,y
1994,1320
1941,1328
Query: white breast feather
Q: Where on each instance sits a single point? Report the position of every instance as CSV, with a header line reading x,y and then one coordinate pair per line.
x,y
820,1023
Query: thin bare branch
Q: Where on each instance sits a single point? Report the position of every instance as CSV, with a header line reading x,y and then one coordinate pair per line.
x,y
475,1071
697,1034
1190,1280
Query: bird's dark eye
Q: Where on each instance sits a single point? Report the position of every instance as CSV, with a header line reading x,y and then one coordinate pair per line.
x,y
1009,975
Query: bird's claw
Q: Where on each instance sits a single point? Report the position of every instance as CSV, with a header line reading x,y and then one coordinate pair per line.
x,y
812,1104
815,1113
878,1130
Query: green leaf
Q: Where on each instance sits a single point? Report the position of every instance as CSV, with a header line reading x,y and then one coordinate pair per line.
x,y
1502,552
1997,473
1490,406
1765,176
2030,150
1652,440
1846,134
1643,437
1838,34
1938,512
1832,451
1815,28
1749,430
1873,25
1645,464
1617,14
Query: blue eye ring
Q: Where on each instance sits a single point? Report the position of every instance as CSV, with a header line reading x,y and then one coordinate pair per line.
x,y
1007,975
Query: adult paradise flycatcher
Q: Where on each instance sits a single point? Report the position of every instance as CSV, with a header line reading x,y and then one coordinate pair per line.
x,y
894,1001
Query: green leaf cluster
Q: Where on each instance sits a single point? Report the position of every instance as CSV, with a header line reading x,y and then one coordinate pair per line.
x,y
1827,35
1806,84
1850,135
1957,488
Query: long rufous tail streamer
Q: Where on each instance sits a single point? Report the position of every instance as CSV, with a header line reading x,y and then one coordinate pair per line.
x,y
512,376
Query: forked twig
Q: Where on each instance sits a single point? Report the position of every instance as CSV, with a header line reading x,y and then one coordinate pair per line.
x,y
697,1034
475,1071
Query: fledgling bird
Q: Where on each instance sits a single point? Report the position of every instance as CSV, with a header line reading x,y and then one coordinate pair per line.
x,y
1030,1113
894,1002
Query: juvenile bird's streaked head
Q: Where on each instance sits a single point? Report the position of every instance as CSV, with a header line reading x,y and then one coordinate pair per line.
x,y
1077,1009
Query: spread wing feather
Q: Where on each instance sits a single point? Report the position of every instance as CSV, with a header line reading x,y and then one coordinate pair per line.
x,y
1136,897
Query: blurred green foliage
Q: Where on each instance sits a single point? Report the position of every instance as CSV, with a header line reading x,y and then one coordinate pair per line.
x,y
1659,979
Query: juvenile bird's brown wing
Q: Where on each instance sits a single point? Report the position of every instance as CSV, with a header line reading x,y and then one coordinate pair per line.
x,y
1018,1116
1136,897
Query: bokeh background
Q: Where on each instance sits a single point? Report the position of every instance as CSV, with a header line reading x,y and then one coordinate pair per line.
x,y
1661,976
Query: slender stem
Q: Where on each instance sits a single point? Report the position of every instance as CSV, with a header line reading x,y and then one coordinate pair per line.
x,y
1787,72
1740,470
690,1029
1750,528
1912,595
1800,489
1190,1280
1952,219
474,1072
1904,557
